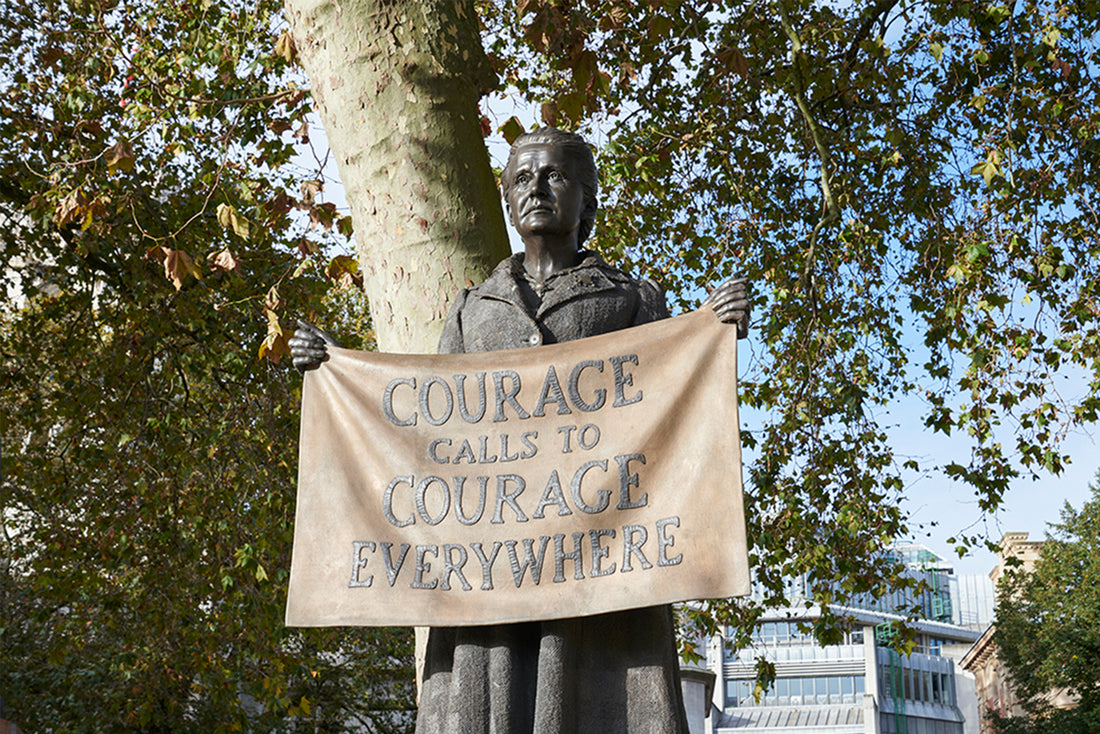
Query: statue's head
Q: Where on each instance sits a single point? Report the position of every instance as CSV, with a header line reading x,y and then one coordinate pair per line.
x,y
576,151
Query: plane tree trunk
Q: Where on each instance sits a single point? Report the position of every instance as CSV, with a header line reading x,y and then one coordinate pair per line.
x,y
396,83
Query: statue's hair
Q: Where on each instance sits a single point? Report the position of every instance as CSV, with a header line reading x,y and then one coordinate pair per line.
x,y
584,167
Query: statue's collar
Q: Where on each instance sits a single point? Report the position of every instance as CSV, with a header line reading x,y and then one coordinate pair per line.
x,y
585,259
590,275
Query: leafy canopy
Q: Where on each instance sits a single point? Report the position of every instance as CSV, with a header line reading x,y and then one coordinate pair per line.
x,y
910,188
158,219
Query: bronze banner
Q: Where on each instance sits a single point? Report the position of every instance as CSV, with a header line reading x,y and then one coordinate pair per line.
x,y
559,481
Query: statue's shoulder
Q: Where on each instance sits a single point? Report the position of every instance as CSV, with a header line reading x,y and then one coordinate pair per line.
x,y
649,294
648,286
592,262
501,283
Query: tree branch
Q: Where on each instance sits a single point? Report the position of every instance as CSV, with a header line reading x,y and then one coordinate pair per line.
x,y
832,212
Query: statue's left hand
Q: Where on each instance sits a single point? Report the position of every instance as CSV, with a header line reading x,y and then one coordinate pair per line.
x,y
731,302
309,346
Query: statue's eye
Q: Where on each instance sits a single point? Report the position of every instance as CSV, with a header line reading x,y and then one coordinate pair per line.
x,y
556,176
523,178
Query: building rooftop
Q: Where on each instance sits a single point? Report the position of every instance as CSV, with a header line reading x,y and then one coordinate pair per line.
x,y
844,718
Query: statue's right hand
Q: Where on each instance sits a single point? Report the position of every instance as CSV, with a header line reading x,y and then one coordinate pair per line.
x,y
309,346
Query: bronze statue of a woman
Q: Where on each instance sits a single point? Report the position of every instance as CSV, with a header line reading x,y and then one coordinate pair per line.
x,y
615,672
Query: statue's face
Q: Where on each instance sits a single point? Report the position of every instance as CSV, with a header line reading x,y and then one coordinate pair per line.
x,y
546,197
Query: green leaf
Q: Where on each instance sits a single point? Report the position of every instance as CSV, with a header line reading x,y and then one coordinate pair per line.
x,y
987,169
511,129
230,219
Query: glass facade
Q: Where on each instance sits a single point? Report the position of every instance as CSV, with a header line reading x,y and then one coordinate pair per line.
x,y
916,725
778,633
800,691
914,694
918,678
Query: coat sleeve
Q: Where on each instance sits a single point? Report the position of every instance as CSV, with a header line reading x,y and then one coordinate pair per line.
x,y
651,303
451,341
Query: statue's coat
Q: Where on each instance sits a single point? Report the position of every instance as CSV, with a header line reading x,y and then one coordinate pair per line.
x,y
614,673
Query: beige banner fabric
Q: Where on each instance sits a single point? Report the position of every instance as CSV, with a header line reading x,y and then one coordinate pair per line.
x,y
559,481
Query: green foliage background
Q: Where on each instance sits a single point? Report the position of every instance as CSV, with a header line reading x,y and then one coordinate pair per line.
x,y
156,226
910,188
1048,627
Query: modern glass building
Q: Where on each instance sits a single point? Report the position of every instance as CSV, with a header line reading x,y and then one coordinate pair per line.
x,y
861,685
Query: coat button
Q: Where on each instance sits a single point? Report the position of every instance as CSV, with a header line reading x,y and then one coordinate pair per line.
x,y
533,339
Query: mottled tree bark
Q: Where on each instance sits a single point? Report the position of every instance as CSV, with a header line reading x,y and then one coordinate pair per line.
x,y
397,83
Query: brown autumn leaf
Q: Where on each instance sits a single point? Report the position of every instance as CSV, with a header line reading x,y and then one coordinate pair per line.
x,y
323,215
230,219
511,129
280,203
68,208
119,157
550,113
279,126
272,301
223,260
274,345
302,133
732,58
177,264
286,47
310,189
343,270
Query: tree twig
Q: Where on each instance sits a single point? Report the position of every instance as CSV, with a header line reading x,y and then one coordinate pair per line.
x,y
832,212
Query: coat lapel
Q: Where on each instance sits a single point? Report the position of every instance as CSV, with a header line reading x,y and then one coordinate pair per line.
x,y
583,279
574,283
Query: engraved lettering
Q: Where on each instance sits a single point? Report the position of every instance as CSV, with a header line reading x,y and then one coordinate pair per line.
x,y
603,494
560,557
358,562
451,566
387,502
665,541
509,498
392,569
423,567
622,379
628,480
460,391
551,393
425,402
507,396
632,548
599,552
486,563
531,562
460,484
552,495
421,503
574,389
387,401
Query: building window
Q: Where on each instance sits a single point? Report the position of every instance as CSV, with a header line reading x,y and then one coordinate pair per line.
x,y
779,633
801,691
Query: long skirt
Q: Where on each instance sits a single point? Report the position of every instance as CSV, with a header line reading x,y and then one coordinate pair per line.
x,y
614,673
